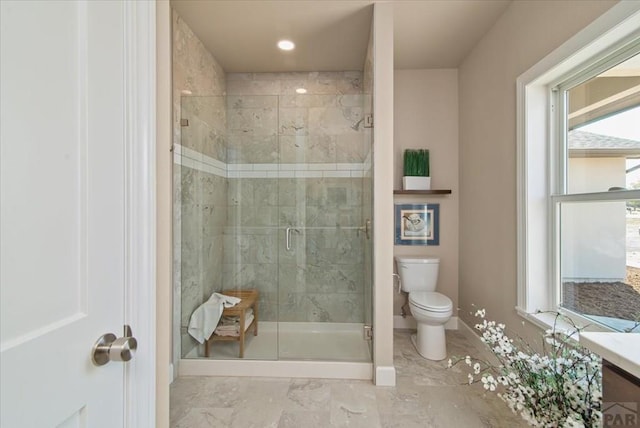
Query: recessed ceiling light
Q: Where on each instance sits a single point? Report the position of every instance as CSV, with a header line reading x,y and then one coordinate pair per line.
x,y
301,90
286,45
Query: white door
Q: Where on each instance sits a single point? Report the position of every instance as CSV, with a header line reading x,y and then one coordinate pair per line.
x,y
63,229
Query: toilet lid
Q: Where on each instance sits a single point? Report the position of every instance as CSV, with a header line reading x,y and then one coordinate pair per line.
x,y
431,301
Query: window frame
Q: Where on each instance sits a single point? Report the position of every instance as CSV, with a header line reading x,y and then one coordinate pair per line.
x,y
541,155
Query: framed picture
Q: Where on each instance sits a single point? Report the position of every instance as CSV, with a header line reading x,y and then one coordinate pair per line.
x,y
417,224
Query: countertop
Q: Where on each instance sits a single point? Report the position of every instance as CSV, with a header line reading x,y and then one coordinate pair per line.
x,y
620,349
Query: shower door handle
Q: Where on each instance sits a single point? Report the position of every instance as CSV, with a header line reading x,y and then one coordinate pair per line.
x,y
288,236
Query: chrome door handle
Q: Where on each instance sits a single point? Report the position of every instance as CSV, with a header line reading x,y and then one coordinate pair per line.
x,y
109,348
288,237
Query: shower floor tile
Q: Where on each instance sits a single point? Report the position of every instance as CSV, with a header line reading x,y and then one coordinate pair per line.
x,y
299,341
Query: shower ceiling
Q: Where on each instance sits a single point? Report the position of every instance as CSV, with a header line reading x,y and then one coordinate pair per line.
x,y
333,35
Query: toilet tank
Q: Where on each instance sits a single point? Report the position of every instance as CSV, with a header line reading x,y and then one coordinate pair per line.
x,y
418,273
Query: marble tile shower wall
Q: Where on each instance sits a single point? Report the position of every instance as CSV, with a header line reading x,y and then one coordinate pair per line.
x,y
199,197
203,208
203,222
320,278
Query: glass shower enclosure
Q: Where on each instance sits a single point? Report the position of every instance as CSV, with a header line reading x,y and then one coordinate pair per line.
x,y
273,196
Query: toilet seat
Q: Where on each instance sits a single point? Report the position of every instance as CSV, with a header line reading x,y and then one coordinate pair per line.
x,y
430,301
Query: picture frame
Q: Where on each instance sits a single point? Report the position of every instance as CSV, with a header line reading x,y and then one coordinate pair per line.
x,y
417,224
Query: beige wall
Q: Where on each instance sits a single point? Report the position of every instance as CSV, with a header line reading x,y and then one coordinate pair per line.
x,y
526,32
426,116
385,374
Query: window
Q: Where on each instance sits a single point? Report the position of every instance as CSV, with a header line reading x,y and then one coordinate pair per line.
x,y
579,179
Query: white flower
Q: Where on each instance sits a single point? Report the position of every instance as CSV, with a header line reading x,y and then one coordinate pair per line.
x,y
489,383
449,363
523,375
570,422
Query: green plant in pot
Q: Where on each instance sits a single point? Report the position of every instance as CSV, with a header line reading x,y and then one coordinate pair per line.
x,y
416,170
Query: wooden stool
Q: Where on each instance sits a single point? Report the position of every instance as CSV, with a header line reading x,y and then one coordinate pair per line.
x,y
249,300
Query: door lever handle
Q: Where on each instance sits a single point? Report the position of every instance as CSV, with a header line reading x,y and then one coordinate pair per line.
x,y
109,348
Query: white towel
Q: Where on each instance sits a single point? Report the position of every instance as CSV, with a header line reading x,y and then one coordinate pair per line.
x,y
234,330
233,321
206,316
227,301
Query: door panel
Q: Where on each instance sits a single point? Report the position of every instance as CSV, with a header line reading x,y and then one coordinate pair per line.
x,y
62,214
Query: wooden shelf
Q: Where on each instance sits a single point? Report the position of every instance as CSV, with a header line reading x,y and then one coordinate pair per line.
x,y
423,192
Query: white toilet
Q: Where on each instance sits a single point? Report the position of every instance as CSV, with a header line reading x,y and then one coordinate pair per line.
x,y
431,310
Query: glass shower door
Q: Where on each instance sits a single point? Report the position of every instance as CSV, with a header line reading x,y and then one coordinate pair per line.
x,y
322,239
226,206
200,199
273,194
252,235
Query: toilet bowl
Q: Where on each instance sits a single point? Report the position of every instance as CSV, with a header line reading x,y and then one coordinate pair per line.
x,y
430,309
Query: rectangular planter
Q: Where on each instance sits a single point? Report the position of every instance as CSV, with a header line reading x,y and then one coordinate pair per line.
x,y
416,183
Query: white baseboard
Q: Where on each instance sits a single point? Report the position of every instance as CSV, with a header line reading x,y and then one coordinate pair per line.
x,y
452,324
385,376
410,323
401,322
472,334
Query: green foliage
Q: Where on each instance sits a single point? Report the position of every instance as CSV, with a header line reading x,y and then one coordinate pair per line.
x,y
416,163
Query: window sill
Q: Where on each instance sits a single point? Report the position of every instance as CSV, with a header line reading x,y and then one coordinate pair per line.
x,y
620,349
546,320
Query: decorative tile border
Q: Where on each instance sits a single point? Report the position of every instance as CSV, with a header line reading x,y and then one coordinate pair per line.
x,y
192,159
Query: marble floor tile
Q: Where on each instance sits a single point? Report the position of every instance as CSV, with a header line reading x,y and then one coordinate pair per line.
x,y
207,417
353,404
426,395
303,418
311,395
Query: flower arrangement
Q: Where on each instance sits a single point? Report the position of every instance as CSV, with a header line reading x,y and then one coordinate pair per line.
x,y
562,387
